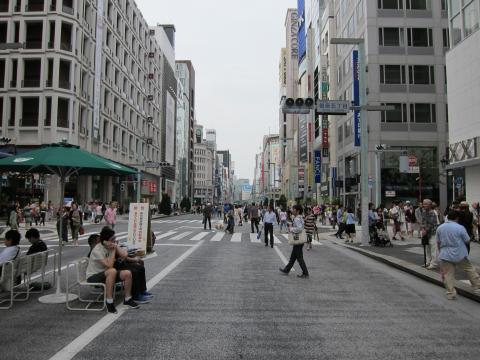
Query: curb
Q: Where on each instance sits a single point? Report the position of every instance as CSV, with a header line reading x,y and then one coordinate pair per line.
x,y
419,272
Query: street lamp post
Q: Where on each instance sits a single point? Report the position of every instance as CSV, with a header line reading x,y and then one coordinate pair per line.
x,y
363,130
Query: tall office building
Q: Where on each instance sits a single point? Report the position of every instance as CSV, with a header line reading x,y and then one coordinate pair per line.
x,y
186,74
405,45
464,101
204,161
95,74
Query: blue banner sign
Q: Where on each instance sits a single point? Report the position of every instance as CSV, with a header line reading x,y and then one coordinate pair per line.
x,y
318,166
302,39
356,97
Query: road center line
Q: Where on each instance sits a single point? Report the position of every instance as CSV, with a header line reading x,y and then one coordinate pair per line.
x,y
77,345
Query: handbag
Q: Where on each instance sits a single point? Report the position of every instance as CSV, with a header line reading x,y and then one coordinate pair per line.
x,y
297,238
81,230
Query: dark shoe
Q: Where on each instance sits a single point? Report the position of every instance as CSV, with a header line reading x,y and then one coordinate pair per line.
x,y
303,276
272,246
266,245
111,308
141,299
131,303
283,271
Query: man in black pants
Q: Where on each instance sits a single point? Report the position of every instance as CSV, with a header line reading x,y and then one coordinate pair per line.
x,y
253,214
207,215
268,220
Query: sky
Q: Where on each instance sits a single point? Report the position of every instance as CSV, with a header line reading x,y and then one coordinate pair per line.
x,y
235,49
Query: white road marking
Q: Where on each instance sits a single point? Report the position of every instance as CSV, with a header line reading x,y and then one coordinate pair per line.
x,y
281,256
253,238
276,240
164,235
77,345
181,235
199,236
236,237
186,245
218,236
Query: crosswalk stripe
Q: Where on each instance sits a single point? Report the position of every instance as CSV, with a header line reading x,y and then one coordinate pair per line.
x,y
236,237
181,235
276,240
218,236
164,235
199,236
253,238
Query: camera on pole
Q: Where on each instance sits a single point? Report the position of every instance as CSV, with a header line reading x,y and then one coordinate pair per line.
x,y
298,106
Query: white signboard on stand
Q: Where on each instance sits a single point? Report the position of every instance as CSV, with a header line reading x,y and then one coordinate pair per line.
x,y
138,226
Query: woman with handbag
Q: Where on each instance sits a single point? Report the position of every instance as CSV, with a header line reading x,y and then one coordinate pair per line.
x,y
297,237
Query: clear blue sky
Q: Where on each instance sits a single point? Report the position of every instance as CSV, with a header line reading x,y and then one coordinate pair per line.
x,y
235,48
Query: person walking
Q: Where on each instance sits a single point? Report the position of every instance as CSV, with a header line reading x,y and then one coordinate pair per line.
x,y
310,226
297,231
341,224
76,221
350,226
63,231
27,216
268,220
13,218
428,226
452,240
254,216
111,216
283,220
43,213
207,216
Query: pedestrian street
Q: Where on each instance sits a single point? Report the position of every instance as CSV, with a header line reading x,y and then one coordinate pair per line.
x,y
221,296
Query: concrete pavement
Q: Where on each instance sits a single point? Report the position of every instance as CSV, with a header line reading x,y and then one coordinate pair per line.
x,y
227,300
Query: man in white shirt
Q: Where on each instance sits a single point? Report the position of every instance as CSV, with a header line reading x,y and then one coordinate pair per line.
x,y
268,220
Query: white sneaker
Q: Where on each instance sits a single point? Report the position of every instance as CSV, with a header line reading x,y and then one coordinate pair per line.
x,y
451,297
431,267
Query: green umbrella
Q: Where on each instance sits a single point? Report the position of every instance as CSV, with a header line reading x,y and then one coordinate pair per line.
x,y
63,160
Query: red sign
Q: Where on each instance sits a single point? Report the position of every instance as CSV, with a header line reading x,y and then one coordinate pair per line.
x,y
153,187
324,138
412,160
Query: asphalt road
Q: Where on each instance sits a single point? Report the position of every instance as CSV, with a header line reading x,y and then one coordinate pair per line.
x,y
220,296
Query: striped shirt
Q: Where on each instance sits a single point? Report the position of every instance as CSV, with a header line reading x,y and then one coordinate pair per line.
x,y
310,224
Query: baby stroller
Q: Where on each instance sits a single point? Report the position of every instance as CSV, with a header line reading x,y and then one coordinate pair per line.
x,y
379,236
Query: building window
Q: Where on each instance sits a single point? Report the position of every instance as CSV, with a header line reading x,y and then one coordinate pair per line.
x,y
421,75
444,5
30,108
455,6
48,111
2,73
1,111
391,36
13,105
62,116
392,74
456,30
422,113
417,4
398,115
390,4
34,35
471,14
31,69
420,37
3,32
446,38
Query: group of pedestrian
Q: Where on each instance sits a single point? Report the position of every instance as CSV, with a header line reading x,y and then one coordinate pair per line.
x,y
31,212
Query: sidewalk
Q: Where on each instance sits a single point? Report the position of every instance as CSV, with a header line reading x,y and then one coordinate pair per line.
x,y
408,256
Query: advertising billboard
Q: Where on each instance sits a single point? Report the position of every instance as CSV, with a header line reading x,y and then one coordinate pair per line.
x,y
318,166
303,138
302,39
356,97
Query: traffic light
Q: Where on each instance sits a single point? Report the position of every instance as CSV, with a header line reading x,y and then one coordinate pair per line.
x,y
381,147
298,106
164,164
122,187
5,140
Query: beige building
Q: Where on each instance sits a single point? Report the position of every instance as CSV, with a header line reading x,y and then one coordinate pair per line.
x,y
95,74
204,157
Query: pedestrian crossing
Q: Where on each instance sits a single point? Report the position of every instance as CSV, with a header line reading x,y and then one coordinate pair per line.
x,y
177,236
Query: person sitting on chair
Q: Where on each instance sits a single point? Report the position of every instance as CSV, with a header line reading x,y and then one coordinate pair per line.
x,y
33,236
101,269
12,250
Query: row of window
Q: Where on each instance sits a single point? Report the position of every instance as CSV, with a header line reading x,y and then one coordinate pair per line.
x,y
465,19
417,74
410,4
416,37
